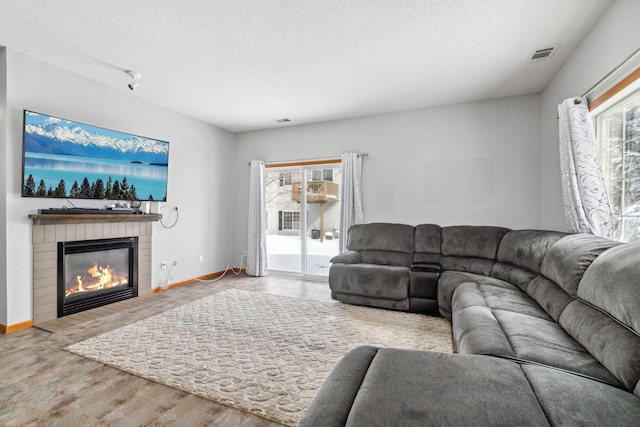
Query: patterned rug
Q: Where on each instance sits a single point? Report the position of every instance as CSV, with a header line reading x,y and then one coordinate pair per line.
x,y
265,354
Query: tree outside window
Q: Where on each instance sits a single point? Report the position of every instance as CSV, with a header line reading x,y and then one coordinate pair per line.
x,y
619,142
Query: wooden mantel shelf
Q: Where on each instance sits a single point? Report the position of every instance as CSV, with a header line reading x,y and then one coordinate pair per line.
x,y
44,219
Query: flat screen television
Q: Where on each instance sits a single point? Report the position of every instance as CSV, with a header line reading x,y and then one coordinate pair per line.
x,y
67,159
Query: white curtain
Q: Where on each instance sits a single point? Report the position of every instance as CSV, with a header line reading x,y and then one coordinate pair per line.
x,y
351,195
257,241
586,205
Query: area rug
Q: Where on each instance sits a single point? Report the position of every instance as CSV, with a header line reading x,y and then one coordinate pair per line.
x,y
262,353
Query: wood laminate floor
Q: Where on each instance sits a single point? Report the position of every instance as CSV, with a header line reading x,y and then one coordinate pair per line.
x,y
43,385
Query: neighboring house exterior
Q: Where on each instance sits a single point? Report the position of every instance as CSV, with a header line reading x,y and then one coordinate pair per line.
x,y
282,195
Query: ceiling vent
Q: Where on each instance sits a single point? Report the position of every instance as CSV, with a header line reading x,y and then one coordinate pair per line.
x,y
283,120
543,53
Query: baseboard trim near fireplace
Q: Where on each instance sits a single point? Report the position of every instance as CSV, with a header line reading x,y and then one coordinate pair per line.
x,y
9,329
196,279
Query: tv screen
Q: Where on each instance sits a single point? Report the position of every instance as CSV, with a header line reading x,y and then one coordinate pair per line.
x,y
67,159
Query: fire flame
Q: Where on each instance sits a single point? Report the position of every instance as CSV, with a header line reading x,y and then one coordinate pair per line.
x,y
98,277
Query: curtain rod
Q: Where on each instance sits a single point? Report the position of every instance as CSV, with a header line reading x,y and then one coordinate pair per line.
x,y
610,73
311,160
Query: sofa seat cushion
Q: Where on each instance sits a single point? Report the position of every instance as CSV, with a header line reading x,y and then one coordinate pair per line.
x,y
536,340
450,280
581,401
500,321
506,299
370,280
383,387
476,329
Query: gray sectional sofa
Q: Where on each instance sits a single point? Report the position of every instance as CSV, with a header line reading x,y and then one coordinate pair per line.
x,y
546,326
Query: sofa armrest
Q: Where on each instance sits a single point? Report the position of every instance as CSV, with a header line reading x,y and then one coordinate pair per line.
x,y
348,257
332,404
433,267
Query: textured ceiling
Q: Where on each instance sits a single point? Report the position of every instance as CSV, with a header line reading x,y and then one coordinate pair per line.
x,y
243,64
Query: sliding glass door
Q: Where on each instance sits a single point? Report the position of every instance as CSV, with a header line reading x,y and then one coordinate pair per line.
x,y
303,218
283,221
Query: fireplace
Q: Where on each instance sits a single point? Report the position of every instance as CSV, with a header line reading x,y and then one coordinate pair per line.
x,y
51,229
93,273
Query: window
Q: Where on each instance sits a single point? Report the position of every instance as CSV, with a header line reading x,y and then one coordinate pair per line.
x,y
618,129
285,178
322,175
298,226
289,220
288,178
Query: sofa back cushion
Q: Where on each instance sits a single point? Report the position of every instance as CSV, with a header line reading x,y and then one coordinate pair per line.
x,y
382,243
548,295
527,248
513,274
472,241
471,248
605,318
428,243
569,258
562,268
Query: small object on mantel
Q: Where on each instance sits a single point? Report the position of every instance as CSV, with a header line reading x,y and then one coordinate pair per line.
x,y
120,210
89,211
66,210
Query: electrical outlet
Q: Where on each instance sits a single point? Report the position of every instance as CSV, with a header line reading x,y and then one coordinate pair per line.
x,y
201,258
163,265
244,253
175,262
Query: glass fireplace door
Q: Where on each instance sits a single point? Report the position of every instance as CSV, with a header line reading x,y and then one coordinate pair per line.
x,y
93,273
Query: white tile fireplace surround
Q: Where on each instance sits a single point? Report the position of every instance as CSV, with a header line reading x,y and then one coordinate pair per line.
x,y
49,230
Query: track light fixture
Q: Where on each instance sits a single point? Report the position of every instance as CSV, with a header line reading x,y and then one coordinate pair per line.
x,y
134,77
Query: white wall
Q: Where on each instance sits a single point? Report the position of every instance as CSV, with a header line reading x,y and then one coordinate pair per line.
x,y
199,184
611,40
474,163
